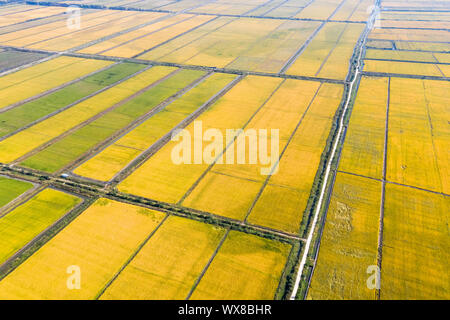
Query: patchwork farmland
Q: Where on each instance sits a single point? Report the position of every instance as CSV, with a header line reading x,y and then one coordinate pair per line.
x,y
126,136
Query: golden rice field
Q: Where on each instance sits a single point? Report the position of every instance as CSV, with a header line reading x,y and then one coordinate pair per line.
x,y
105,165
151,274
400,67
245,267
328,55
415,254
414,245
416,126
99,242
23,223
37,79
349,241
363,151
90,149
30,138
285,105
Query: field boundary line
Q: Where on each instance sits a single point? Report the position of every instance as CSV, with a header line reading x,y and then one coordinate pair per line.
x,y
208,264
131,257
383,190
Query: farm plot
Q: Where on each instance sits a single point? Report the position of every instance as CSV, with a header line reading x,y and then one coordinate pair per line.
x,y
61,38
349,242
328,55
11,189
105,165
157,37
417,126
26,140
42,31
41,22
85,37
160,4
282,202
413,56
25,114
228,7
363,151
34,13
409,35
192,186
415,24
246,267
44,76
235,43
423,46
160,178
354,10
399,67
10,59
122,40
218,190
320,9
24,223
281,8
72,146
99,242
416,245
179,242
